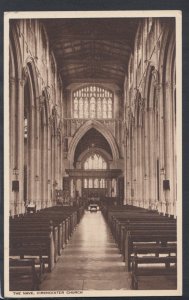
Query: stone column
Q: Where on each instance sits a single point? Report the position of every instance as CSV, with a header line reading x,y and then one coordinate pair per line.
x,y
56,159
49,165
174,151
20,144
53,167
139,164
45,166
162,206
146,160
127,173
135,169
38,183
152,167
168,147
59,163
142,165
12,140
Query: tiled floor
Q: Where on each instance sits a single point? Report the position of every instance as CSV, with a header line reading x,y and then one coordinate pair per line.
x,y
90,261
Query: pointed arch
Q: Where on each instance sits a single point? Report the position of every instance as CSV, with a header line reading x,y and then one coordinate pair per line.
x,y
16,53
30,68
152,79
81,132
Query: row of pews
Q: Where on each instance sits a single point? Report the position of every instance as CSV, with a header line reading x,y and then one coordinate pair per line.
x,y
147,241
36,241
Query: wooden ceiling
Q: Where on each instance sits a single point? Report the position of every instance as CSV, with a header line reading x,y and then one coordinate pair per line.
x,y
90,50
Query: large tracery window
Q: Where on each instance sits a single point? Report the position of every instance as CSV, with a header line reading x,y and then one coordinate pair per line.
x,y
92,102
95,162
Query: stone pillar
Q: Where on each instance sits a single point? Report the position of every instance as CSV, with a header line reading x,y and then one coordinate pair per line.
x,y
60,163
152,166
139,167
146,160
53,166
20,145
142,165
174,151
135,168
12,141
43,177
45,167
168,147
49,166
127,170
161,206
132,167
38,183
56,158
41,162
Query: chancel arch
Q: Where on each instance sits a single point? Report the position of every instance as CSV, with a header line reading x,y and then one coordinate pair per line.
x,y
83,130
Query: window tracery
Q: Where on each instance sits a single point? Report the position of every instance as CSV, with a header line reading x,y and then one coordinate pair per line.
x,y
92,102
95,162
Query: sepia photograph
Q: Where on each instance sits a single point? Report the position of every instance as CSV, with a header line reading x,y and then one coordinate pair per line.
x,y
92,152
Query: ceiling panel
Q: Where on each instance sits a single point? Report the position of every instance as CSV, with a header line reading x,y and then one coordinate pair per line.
x,y
92,48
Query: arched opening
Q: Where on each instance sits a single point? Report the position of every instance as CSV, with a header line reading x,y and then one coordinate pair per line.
x,y
31,176
104,132
93,178
27,134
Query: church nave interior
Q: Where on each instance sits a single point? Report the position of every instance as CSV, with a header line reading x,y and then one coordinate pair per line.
x,y
92,123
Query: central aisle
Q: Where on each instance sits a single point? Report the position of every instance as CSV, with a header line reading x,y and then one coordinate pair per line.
x,y
90,261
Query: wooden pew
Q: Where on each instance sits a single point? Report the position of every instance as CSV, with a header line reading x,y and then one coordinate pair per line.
x,y
140,226
36,226
58,218
43,231
128,217
152,238
117,222
21,270
157,270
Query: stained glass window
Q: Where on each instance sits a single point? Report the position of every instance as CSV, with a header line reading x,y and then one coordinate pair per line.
x,y
92,102
95,162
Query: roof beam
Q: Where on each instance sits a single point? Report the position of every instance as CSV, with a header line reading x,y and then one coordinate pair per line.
x,y
61,37
93,80
101,60
93,64
86,74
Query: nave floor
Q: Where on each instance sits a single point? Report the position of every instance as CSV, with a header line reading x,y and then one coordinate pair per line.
x,y
90,261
